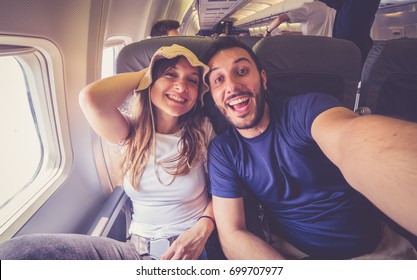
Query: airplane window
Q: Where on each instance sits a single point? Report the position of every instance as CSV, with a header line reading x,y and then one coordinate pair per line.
x,y
112,47
34,156
107,67
22,149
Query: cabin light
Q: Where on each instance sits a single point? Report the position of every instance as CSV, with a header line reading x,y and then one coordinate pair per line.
x,y
397,14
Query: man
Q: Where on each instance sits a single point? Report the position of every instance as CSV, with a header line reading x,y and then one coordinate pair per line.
x,y
300,157
165,27
353,21
316,18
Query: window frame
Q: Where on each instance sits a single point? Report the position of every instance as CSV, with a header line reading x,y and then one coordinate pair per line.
x,y
41,61
117,43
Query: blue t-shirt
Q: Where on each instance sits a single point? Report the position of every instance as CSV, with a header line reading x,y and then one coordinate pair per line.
x,y
305,193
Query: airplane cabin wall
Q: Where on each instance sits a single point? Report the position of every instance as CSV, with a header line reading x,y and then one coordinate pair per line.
x,y
135,18
129,19
76,28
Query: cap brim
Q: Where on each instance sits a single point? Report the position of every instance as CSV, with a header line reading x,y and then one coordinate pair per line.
x,y
170,52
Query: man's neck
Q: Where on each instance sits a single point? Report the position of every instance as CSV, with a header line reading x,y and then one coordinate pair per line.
x,y
259,128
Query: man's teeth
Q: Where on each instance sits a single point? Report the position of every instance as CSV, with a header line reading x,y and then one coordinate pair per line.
x,y
176,98
239,100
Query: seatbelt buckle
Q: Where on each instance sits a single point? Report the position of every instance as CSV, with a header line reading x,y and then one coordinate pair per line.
x,y
158,246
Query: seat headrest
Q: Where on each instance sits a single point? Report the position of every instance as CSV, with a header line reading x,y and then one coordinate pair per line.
x,y
298,64
136,56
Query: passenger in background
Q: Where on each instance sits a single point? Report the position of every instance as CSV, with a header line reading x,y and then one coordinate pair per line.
x,y
316,18
311,163
165,27
354,19
164,142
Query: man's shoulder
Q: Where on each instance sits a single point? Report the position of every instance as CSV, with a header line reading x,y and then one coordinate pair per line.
x,y
226,143
307,98
281,103
304,104
226,137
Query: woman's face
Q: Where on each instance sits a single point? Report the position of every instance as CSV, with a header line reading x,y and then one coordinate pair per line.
x,y
175,92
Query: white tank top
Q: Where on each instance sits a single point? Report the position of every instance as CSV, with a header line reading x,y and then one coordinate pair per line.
x,y
165,211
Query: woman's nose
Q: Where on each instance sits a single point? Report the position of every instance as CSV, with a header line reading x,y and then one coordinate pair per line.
x,y
181,85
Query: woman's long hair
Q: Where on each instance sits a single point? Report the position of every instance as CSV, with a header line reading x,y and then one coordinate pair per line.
x,y
140,142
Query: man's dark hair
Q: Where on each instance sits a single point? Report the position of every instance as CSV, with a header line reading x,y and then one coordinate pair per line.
x,y
225,43
161,27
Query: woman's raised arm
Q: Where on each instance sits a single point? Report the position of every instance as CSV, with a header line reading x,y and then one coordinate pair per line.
x,y
100,101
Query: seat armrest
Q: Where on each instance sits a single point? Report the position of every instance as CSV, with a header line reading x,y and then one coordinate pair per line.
x,y
112,208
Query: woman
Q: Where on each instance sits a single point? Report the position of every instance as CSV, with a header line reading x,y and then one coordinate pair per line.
x,y
164,141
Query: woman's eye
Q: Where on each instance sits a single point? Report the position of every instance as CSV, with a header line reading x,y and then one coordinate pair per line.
x,y
193,81
169,75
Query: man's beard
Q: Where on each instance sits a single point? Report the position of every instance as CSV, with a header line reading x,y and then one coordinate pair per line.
x,y
259,112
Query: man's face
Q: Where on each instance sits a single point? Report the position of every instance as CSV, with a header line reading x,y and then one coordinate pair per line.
x,y
237,87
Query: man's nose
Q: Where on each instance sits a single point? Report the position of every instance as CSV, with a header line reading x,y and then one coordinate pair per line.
x,y
232,85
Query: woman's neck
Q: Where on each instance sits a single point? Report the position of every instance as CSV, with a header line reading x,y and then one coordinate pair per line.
x,y
167,125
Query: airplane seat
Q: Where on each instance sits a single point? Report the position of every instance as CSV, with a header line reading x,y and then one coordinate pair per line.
x,y
389,87
249,40
389,79
136,56
114,217
302,64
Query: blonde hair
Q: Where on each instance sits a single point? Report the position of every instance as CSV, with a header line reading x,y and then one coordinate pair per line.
x,y
140,142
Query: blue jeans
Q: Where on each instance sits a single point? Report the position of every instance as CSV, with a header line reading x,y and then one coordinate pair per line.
x,y
69,247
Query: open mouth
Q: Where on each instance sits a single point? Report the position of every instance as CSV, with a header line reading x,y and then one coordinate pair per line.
x,y
176,98
239,104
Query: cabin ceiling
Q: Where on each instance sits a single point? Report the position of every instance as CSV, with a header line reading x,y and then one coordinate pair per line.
x,y
211,12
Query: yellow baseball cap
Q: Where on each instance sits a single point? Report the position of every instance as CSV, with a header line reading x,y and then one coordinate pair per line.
x,y
170,52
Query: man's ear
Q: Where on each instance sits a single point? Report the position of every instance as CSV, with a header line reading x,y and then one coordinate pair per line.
x,y
263,79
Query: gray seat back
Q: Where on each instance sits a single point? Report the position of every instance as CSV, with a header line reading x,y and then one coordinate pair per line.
x,y
298,64
389,79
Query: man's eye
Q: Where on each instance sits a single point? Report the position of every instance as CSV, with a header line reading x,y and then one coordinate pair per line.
x,y
218,80
242,71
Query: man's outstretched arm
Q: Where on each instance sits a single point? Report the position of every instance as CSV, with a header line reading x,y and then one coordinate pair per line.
x,y
378,157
